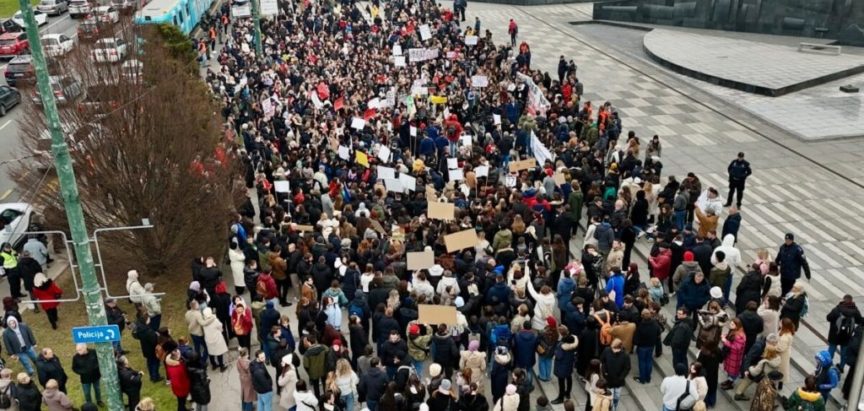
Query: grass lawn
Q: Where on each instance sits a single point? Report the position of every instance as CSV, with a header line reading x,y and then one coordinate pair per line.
x,y
9,7
73,314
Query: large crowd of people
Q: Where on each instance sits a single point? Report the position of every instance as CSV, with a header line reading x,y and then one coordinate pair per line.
x,y
356,122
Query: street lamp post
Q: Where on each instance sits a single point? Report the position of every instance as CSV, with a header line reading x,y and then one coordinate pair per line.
x,y
74,214
256,18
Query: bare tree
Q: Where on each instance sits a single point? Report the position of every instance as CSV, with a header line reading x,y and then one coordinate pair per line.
x,y
146,142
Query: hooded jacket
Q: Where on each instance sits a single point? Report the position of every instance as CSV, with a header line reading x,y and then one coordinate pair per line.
x,y
733,256
845,310
314,360
565,357
56,400
605,236
827,375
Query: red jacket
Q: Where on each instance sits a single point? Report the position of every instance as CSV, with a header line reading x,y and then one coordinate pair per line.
x,y
48,291
244,323
661,264
269,286
453,122
179,379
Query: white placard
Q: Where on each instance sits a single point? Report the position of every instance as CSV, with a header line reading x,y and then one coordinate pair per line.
x,y
413,131
457,175
415,55
482,171
394,186
385,173
408,182
269,7
452,163
497,119
374,103
425,33
384,154
344,153
465,139
510,181
358,123
419,91
471,40
397,49
267,107
282,186
479,81
399,61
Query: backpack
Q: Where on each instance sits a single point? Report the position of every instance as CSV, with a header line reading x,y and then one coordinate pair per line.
x,y
356,309
845,328
6,397
605,329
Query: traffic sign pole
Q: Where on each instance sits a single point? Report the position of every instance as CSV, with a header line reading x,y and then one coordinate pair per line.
x,y
69,190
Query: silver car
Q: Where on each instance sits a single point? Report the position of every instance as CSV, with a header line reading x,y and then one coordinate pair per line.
x,y
53,7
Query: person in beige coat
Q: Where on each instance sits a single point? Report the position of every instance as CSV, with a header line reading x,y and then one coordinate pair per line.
x,y
6,385
213,338
475,360
784,347
55,399
287,382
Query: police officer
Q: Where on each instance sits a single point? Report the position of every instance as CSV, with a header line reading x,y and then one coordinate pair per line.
x,y
10,267
791,260
739,170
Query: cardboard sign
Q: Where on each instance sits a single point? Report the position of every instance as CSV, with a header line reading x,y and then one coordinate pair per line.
x,y
465,139
282,186
384,154
421,260
305,228
361,158
377,227
479,81
358,123
559,178
438,99
436,314
452,163
408,182
344,153
385,173
436,210
413,131
425,32
431,194
482,171
456,174
461,240
417,55
397,49
471,40
522,165
399,61
497,119
394,186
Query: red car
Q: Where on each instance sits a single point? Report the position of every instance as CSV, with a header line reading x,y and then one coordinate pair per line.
x,y
13,44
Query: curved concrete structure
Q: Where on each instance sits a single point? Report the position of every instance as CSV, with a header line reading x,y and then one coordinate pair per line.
x,y
759,68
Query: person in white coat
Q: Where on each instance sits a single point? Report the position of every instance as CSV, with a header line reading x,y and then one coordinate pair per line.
x,y
733,256
238,263
216,345
287,382
134,288
546,306
305,400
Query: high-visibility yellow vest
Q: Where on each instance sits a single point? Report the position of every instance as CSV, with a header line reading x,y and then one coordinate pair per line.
x,y
10,260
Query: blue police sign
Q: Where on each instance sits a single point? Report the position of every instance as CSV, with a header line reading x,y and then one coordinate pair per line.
x,y
95,334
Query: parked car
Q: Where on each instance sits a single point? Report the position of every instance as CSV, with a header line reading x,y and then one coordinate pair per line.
x,y
9,26
125,6
106,14
20,71
66,90
13,44
109,50
41,18
53,7
57,45
78,8
88,29
9,97
132,70
15,220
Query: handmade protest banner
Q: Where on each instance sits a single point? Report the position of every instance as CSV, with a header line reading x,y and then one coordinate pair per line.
x,y
384,154
456,174
471,40
394,186
436,314
386,173
344,153
282,186
479,81
420,260
399,61
425,32
522,165
397,49
440,211
438,99
482,171
536,100
452,163
461,240
541,153
408,182
358,123
497,119
431,195
361,158
305,228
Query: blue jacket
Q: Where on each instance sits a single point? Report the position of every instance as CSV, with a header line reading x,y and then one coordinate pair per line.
x,y
565,358
525,349
427,147
616,283
565,288
574,319
498,293
692,295
731,225
827,375
791,260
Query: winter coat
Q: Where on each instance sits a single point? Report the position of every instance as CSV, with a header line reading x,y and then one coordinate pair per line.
x,y
693,295
749,289
372,384
278,266
565,358
827,375
247,391
845,310
446,352
507,403
199,384
684,271
499,374
48,291
770,320
735,355
213,336
525,349
130,380
28,396
418,347
238,263
390,351
784,347
262,383
661,264
476,361
616,367
314,361
56,400
545,307
176,373
647,333
305,400
794,307
51,370
733,256
87,367
801,399
287,386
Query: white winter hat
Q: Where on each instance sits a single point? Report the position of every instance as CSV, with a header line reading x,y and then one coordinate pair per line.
x,y
39,279
716,293
436,270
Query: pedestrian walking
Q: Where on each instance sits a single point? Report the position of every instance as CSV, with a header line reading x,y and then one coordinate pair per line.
x,y
842,320
791,260
47,293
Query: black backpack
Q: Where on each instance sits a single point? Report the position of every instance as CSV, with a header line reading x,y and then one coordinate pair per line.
x,y
6,397
845,328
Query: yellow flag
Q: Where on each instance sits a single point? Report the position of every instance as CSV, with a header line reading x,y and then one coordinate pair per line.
x,y
438,99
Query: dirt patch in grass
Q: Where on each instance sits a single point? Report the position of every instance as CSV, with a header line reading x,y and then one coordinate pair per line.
x,y
9,7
